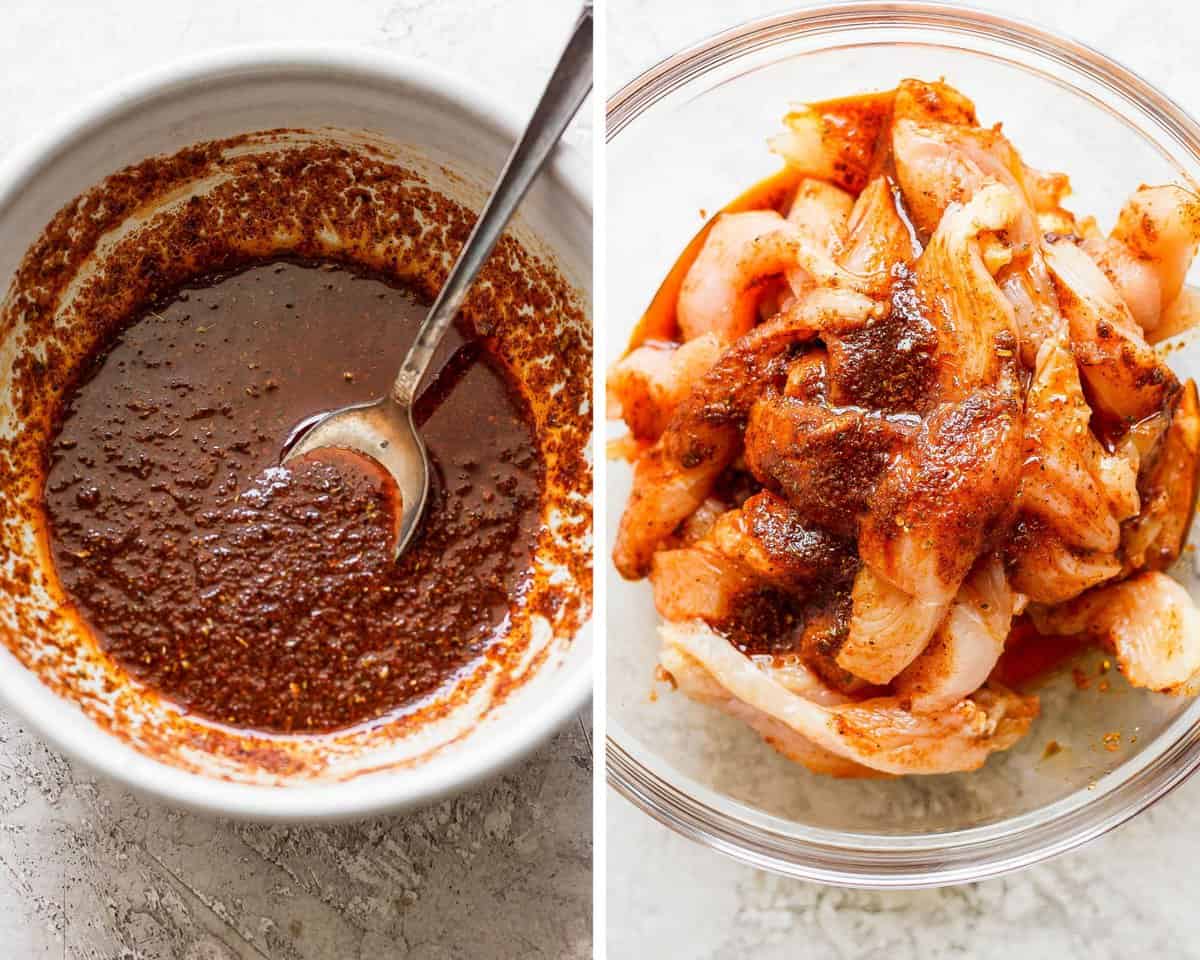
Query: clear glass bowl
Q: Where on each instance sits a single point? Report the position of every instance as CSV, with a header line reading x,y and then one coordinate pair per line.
x,y
684,138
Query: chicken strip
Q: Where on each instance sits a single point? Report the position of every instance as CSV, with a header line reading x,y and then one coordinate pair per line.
x,y
1066,476
695,681
1135,280
1046,192
1044,568
673,478
1154,539
797,676
832,310
1126,380
973,320
825,462
699,525
721,291
723,288
1150,250
940,162
769,537
1150,623
821,213
835,140
942,494
814,643
878,733
932,102
698,582
943,159
807,378
645,386
888,628
877,236
946,493
965,648
1177,317
890,363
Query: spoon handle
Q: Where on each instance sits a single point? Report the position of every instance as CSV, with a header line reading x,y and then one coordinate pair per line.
x,y
566,91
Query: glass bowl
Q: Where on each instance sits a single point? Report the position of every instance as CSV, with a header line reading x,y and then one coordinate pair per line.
x,y
689,135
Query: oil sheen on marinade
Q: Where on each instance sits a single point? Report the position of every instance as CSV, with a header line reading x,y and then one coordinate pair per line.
x,y
266,597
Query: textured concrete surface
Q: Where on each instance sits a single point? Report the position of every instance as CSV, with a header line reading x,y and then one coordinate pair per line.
x,y
88,871
1126,895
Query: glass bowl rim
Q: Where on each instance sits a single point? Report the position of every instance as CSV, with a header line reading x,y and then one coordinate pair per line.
x,y
935,859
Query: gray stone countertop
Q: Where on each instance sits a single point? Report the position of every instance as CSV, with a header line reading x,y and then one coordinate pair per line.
x,y
1128,894
89,871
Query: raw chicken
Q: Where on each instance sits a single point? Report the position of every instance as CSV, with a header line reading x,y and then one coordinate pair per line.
x,y
965,648
940,496
943,159
1044,568
698,581
1066,478
1155,538
821,213
836,140
1126,379
946,492
888,628
694,680
721,291
1150,623
1179,316
770,538
677,473
808,376
743,251
824,461
646,385
1046,192
1134,280
889,364
877,236
878,733
975,325
914,397
1150,250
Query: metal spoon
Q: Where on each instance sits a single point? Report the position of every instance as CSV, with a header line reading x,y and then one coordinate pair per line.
x,y
384,429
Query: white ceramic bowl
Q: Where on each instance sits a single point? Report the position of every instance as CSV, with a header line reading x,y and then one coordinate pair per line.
x,y
426,113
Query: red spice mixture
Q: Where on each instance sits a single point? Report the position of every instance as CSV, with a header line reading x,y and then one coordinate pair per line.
x,y
263,596
370,218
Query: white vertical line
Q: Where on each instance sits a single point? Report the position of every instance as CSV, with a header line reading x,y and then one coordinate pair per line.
x,y
600,566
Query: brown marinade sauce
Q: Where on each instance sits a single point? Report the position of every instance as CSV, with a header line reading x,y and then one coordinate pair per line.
x,y
265,597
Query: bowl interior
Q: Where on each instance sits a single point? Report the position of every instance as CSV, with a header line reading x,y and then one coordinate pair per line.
x,y
683,157
457,143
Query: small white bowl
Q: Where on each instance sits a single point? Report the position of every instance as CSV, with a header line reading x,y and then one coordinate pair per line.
x,y
244,90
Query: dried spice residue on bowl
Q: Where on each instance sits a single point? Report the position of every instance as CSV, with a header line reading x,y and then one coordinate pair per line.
x,y
117,323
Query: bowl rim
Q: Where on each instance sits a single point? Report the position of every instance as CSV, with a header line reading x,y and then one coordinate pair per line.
x,y
78,736
881,861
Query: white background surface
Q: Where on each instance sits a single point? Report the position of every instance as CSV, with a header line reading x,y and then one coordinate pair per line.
x,y
1126,895
87,871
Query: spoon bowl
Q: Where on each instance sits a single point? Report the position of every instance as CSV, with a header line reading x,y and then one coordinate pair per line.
x,y
384,431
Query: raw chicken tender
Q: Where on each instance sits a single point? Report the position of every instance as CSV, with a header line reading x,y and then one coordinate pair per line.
x,y
1150,622
878,733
